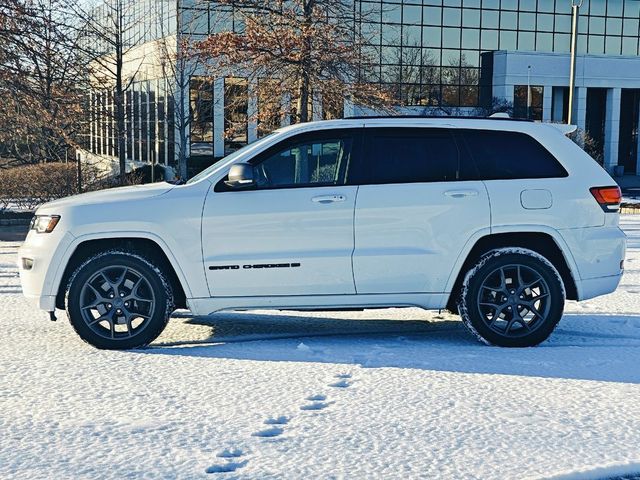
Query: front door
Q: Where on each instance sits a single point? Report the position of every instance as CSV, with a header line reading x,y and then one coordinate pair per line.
x,y
419,203
291,234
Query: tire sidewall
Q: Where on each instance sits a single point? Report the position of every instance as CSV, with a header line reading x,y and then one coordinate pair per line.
x,y
470,310
155,277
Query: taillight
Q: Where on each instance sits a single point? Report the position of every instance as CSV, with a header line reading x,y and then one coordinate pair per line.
x,y
609,198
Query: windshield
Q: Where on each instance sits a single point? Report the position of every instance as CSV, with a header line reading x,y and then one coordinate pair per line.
x,y
231,157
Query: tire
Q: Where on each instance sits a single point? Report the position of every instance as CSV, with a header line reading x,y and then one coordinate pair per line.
x,y
513,297
119,300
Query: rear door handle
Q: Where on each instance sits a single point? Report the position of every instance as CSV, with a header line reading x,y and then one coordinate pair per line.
x,y
461,193
328,199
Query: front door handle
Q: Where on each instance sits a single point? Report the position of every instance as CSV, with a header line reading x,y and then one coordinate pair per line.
x,y
328,199
461,193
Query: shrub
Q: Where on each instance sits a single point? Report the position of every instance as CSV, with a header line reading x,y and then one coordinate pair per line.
x,y
28,186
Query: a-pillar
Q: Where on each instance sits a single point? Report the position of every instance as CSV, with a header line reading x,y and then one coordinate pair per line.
x,y
612,128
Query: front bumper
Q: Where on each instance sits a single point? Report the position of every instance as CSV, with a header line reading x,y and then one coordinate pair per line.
x,y
46,250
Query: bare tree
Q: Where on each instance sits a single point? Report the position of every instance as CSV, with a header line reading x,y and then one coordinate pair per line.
x,y
41,80
307,48
114,30
181,63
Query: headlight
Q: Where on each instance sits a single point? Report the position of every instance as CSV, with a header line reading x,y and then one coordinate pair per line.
x,y
44,223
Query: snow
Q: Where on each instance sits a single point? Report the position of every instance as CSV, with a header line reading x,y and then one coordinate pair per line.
x,y
393,393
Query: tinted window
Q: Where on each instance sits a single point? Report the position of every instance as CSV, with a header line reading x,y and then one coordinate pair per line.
x,y
305,163
509,155
410,155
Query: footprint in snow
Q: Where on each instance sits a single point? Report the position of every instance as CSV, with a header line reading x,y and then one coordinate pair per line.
x,y
315,406
230,453
340,384
226,467
316,398
282,420
268,432
343,375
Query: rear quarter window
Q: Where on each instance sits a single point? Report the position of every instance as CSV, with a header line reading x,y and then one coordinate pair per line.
x,y
503,155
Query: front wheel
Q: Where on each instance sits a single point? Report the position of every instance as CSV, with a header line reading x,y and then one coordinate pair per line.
x,y
119,300
513,297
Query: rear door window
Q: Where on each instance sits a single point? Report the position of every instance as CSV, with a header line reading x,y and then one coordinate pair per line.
x,y
410,155
503,155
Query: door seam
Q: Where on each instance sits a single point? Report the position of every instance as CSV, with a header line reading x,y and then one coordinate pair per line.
x,y
353,250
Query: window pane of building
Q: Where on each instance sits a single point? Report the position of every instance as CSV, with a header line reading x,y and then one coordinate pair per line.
x,y
236,104
527,102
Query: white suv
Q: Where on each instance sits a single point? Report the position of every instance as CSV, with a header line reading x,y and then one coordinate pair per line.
x,y
500,220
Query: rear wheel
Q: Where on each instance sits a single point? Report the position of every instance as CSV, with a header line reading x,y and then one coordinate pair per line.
x,y
512,298
119,300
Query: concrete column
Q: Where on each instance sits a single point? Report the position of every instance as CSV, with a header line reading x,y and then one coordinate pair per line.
x,y
547,103
580,107
156,126
92,122
557,106
252,112
147,87
138,157
218,117
612,128
503,91
182,97
167,92
129,124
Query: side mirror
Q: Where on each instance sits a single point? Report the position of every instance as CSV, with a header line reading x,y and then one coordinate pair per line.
x,y
241,176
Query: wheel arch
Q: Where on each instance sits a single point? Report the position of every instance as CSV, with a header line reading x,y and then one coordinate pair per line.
x,y
544,243
150,248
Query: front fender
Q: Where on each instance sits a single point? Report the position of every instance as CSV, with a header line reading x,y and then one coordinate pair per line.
x,y
176,263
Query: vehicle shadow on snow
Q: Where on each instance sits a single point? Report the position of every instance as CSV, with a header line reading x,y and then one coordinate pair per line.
x,y
588,347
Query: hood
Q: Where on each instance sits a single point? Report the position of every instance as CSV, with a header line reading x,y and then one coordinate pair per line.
x,y
119,194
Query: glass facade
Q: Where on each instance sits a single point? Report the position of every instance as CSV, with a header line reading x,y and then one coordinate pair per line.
x,y
149,123
142,21
428,51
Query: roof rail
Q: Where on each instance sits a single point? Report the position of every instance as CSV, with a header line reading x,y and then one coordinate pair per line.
x,y
438,117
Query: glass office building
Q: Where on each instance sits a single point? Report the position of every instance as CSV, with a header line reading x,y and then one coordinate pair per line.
x,y
453,56
430,51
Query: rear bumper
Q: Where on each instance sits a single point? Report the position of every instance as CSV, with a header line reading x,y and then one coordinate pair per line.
x,y
595,287
598,253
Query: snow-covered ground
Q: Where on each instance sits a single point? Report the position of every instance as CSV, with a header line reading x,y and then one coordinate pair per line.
x,y
396,393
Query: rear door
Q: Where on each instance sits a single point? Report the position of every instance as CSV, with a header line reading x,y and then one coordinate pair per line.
x,y
418,204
